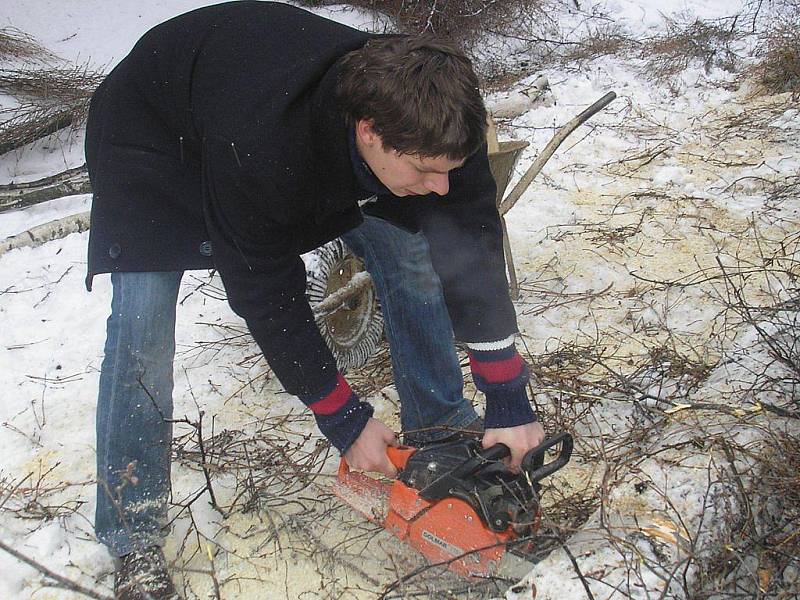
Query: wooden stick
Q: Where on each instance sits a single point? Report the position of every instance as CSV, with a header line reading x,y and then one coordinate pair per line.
x,y
19,138
522,185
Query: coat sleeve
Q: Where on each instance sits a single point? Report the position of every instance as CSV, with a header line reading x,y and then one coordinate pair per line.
x,y
263,274
466,240
464,232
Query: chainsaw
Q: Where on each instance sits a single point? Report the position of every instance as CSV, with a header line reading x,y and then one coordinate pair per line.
x,y
458,504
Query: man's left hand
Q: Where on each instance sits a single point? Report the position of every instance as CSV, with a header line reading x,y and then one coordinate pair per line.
x,y
519,439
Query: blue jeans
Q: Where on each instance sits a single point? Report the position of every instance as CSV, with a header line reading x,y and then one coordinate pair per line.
x,y
134,410
424,361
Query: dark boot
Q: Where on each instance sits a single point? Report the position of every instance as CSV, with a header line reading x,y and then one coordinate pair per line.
x,y
143,575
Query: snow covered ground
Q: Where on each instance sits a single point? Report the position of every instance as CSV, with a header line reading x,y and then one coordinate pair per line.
x,y
659,186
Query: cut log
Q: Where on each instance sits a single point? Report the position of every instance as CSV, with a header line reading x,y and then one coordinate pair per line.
x,y
68,183
53,230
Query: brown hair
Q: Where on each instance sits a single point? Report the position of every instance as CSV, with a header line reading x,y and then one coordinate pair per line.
x,y
421,94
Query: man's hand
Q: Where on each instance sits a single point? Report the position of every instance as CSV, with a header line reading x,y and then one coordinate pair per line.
x,y
368,452
519,439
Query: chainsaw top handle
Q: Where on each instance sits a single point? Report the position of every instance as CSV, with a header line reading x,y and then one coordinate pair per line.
x,y
532,465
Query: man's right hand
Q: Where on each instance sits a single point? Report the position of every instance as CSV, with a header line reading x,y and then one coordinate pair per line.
x,y
368,452
519,440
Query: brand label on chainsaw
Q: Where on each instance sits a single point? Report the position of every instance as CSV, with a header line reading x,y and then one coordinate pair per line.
x,y
439,542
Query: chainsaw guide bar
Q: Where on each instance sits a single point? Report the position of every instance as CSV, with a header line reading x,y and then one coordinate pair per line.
x,y
458,504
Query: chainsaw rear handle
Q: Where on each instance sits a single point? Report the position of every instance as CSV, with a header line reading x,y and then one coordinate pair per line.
x,y
533,461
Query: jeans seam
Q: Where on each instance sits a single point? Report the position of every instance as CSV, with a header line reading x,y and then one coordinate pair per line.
x,y
111,401
388,322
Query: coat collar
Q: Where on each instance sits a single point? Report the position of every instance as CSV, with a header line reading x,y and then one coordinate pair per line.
x,y
366,179
338,187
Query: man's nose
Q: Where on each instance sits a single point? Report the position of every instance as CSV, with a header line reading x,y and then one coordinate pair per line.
x,y
438,183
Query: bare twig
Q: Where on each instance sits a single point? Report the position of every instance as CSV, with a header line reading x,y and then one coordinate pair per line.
x,y
62,581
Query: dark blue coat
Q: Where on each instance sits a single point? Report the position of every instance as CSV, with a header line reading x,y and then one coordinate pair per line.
x,y
217,143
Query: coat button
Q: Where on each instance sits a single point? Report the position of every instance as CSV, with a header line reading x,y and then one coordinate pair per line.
x,y
206,249
114,251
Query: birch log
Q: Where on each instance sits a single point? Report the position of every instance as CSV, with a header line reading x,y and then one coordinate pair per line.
x,y
70,182
53,230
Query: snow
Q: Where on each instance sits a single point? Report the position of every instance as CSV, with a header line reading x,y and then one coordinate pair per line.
x,y
17,221
649,16
561,232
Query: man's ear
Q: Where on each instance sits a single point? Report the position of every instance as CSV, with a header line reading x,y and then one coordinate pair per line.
x,y
365,132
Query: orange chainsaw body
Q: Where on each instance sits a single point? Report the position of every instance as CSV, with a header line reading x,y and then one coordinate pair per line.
x,y
448,531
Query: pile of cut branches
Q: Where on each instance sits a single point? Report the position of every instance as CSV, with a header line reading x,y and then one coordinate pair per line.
x,y
50,95
459,20
778,68
16,44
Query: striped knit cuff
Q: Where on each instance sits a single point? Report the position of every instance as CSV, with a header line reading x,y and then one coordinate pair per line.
x,y
340,415
502,376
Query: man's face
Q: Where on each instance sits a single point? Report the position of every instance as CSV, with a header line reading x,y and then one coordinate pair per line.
x,y
403,174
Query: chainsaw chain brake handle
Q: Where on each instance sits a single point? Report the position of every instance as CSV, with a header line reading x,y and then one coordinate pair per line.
x,y
398,456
